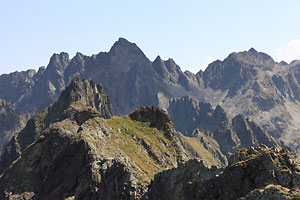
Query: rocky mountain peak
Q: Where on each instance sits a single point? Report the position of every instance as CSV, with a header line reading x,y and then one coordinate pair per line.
x,y
171,72
85,93
59,59
123,41
252,50
159,66
252,57
282,63
170,61
172,66
157,117
41,69
158,61
124,48
80,101
78,54
77,59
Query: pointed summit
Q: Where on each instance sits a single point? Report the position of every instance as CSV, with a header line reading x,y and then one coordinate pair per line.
x,y
158,59
159,66
61,58
80,55
172,66
122,43
80,101
85,93
58,63
252,50
124,48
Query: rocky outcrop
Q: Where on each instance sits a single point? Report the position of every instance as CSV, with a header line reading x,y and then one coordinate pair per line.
x,y
255,173
272,192
176,183
82,100
156,117
82,94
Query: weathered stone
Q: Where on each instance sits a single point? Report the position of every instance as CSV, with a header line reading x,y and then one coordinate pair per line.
x,y
255,176
155,116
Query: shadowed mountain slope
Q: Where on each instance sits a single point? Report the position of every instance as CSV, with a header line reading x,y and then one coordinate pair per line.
x,y
229,133
76,149
254,173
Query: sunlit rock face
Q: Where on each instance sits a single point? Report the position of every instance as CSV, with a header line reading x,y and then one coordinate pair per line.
x,y
249,83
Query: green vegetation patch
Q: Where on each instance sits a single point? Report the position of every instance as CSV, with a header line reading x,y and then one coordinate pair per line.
x,y
295,196
204,154
145,146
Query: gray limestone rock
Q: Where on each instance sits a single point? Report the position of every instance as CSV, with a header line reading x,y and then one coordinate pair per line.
x,y
82,100
256,173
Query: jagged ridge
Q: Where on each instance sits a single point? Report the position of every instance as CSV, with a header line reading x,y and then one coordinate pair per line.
x,y
71,150
82,100
248,83
255,173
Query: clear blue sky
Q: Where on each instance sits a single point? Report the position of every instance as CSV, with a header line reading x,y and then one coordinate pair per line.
x,y
191,32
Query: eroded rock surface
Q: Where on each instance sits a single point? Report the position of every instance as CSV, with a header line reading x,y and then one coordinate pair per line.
x,y
254,173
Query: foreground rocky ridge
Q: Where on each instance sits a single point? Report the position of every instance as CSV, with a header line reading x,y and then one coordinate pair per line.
x,y
76,149
254,173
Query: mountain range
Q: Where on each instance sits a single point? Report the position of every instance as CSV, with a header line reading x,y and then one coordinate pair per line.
x,y
77,149
250,83
118,111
